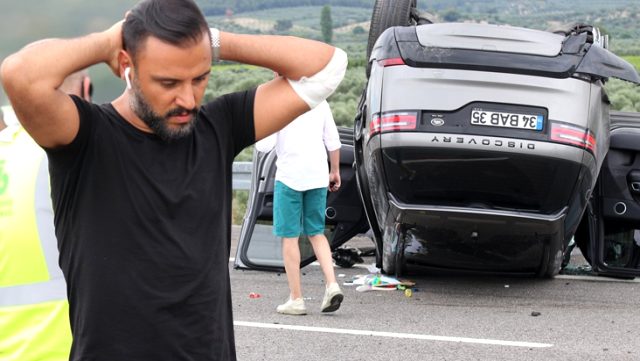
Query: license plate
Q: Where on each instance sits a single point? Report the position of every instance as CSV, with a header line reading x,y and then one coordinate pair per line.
x,y
507,120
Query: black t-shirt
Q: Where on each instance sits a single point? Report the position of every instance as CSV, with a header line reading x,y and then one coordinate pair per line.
x,y
144,234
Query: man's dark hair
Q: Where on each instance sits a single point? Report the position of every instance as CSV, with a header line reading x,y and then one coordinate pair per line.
x,y
177,22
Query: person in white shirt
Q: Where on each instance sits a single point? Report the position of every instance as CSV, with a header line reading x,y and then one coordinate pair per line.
x,y
300,198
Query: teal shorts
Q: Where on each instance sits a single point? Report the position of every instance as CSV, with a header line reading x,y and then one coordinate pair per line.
x,y
296,212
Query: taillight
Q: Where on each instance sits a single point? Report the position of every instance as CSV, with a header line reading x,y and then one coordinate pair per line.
x,y
573,135
391,62
393,121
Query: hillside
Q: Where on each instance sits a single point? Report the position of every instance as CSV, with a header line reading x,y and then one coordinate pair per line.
x,y
618,18
221,7
22,22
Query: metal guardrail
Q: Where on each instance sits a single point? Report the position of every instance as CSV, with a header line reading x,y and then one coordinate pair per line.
x,y
242,170
242,175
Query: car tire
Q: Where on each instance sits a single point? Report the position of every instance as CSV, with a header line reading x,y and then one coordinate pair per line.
x,y
582,237
566,258
388,264
393,261
386,14
400,259
552,265
365,197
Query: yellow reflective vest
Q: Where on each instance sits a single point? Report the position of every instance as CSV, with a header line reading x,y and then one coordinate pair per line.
x,y
34,312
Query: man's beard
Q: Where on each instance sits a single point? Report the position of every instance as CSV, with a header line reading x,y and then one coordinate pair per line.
x,y
160,124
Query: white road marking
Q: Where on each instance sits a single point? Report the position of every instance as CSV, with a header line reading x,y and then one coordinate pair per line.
x,y
392,334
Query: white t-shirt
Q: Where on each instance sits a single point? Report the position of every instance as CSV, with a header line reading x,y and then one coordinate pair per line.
x,y
9,116
302,147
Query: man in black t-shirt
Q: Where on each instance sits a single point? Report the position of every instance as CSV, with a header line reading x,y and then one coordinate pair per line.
x,y
141,186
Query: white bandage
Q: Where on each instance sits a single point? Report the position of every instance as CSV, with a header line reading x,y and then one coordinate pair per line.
x,y
316,88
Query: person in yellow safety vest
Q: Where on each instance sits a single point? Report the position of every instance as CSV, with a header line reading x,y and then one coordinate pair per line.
x,y
34,312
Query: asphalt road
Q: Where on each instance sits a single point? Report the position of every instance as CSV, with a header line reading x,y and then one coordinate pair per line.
x,y
446,318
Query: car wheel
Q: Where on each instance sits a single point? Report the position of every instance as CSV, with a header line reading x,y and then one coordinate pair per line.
x,y
400,261
388,13
582,237
567,253
388,263
553,264
365,196
393,261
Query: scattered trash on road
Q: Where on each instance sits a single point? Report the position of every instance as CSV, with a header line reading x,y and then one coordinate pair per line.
x,y
347,257
378,282
373,269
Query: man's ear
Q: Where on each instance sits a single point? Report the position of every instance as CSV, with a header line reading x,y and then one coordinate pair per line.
x,y
125,62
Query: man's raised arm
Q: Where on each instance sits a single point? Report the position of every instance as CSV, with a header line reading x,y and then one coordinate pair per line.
x,y
310,71
31,78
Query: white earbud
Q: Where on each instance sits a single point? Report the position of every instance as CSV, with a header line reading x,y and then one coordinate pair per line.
x,y
127,70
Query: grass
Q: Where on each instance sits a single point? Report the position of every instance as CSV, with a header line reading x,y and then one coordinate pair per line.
x,y
307,16
305,21
634,60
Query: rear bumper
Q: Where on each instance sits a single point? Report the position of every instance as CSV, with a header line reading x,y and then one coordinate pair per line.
x,y
471,171
468,239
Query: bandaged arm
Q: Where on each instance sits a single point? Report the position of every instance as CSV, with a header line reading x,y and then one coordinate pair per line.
x,y
318,87
311,89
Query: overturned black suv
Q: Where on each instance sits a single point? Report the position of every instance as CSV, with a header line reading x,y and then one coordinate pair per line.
x,y
480,148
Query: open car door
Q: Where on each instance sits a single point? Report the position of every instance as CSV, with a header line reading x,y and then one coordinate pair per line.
x,y
610,231
259,249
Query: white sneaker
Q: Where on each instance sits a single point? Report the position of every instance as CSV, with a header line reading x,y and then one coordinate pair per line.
x,y
293,307
333,296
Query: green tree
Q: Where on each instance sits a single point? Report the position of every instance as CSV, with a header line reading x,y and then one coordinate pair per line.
x,y
283,25
358,30
326,24
451,16
624,96
239,205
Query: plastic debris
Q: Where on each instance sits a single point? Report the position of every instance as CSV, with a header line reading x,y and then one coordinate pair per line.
x,y
535,313
254,295
372,268
378,282
408,293
346,257
366,288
